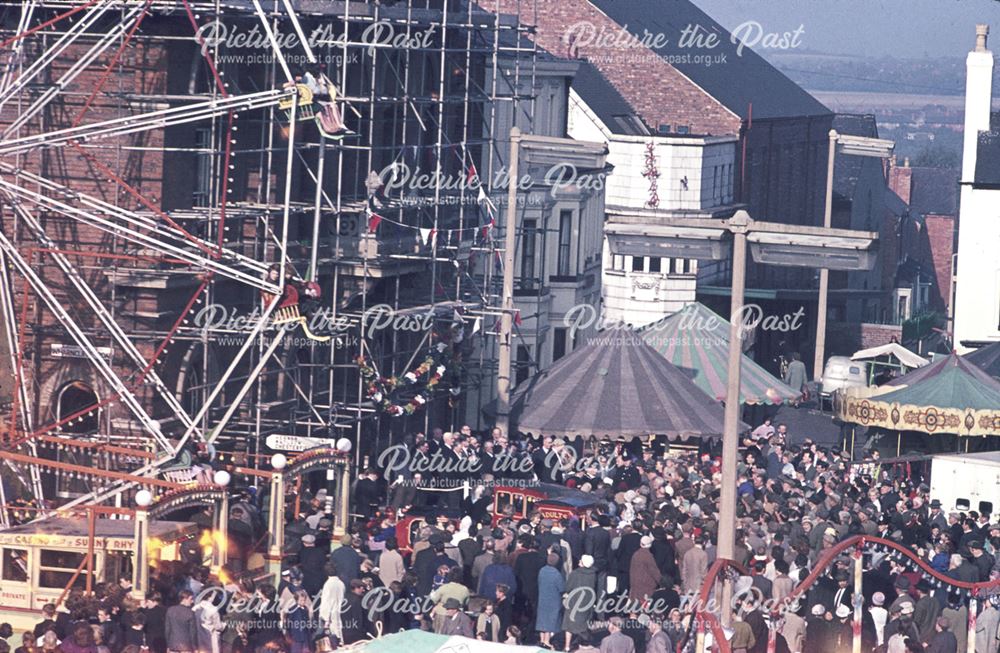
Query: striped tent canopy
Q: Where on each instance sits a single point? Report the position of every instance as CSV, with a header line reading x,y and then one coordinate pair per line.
x,y
697,339
951,395
615,385
987,359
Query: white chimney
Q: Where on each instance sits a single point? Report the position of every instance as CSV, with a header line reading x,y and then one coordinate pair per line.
x,y
978,96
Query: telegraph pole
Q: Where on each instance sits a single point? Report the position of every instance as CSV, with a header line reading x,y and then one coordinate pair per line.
x,y
507,317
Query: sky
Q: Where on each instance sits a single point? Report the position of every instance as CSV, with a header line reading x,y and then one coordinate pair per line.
x,y
867,28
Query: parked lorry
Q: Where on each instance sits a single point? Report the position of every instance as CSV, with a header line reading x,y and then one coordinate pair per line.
x,y
964,482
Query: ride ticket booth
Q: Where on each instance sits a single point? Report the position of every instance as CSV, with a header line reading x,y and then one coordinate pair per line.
x,y
41,562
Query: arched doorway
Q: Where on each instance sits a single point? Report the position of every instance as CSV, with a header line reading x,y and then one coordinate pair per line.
x,y
73,397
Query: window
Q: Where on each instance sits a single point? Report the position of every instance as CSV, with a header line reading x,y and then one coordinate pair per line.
x,y
56,568
202,195
558,343
638,263
962,505
985,507
618,262
523,363
528,234
565,238
715,183
15,565
654,264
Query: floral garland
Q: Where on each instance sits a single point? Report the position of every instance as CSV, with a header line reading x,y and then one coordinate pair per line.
x,y
380,389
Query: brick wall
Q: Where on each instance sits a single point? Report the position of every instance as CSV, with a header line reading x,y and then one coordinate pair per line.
x,y
940,243
144,68
849,337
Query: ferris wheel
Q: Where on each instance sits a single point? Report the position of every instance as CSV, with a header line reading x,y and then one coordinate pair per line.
x,y
83,113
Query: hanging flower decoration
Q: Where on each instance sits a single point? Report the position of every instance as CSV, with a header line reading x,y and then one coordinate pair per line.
x,y
380,389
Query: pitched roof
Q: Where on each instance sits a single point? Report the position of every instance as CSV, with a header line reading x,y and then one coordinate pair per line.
x,y
606,102
933,190
743,79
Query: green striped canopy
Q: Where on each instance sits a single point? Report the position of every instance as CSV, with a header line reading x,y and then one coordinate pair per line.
x,y
696,339
419,641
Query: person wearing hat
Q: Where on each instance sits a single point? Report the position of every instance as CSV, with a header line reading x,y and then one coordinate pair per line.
x,y
347,559
900,627
451,589
926,610
597,544
312,562
873,622
957,614
551,585
981,559
943,640
580,585
455,621
841,631
818,635
902,587
644,574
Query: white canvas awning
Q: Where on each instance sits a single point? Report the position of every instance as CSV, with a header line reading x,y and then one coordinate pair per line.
x,y
902,354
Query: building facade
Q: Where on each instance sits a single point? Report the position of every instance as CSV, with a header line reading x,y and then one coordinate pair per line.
x,y
977,285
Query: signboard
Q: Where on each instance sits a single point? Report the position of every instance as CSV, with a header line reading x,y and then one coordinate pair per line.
x,y
60,350
64,541
295,442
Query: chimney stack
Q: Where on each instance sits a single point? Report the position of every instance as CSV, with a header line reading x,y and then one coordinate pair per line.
x,y
978,96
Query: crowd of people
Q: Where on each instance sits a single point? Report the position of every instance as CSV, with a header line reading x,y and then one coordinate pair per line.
x,y
620,573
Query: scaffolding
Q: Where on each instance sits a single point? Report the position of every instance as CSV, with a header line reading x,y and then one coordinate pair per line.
x,y
192,261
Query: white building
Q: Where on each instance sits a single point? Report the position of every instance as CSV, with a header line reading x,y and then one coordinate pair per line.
x,y
690,176
557,260
977,288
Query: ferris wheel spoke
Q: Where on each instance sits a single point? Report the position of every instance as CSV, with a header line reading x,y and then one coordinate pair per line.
x,y
46,59
131,228
17,49
102,366
146,121
80,64
103,315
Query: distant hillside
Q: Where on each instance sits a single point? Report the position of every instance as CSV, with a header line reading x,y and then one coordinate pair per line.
x,y
820,72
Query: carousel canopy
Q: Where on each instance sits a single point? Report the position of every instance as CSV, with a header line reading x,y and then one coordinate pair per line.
x,y
950,395
986,358
615,385
697,339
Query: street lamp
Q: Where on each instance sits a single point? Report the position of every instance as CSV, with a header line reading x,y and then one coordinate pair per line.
x,y
221,534
774,243
140,563
276,515
856,146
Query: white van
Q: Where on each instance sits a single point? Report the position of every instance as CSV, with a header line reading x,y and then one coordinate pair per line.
x,y
964,482
841,373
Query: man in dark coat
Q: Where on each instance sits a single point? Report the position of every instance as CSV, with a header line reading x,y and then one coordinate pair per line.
x,y
312,560
944,640
181,625
156,623
528,564
366,493
664,553
426,564
597,544
353,618
627,546
347,559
